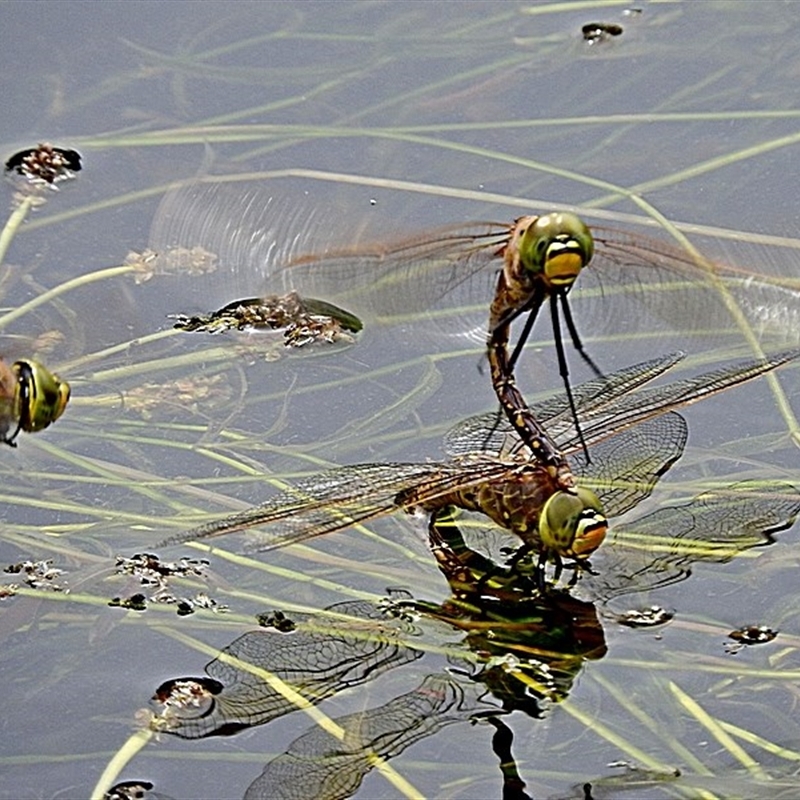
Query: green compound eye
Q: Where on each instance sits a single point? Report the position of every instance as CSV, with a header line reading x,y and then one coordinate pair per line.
x,y
557,247
41,395
572,524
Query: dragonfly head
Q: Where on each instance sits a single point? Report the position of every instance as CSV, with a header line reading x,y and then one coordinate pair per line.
x,y
41,395
572,523
557,247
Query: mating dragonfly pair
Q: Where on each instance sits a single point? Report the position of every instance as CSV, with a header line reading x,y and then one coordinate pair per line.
x,y
529,473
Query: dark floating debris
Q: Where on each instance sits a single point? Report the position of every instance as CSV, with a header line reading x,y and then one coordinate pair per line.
x,y
594,32
153,572
277,620
45,164
133,790
303,320
136,602
38,574
645,617
749,635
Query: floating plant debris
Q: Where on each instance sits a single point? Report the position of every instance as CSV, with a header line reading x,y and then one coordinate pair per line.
x,y
192,261
136,602
645,617
45,164
38,574
152,571
749,635
277,620
303,320
131,790
594,32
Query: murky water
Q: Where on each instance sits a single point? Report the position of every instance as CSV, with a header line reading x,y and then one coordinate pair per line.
x,y
321,126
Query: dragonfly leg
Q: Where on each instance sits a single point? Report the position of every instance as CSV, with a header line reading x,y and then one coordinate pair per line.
x,y
541,569
575,336
563,367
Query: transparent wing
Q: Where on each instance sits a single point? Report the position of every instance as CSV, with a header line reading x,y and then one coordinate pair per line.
x,y
492,432
660,548
341,497
320,656
271,237
625,468
320,765
603,414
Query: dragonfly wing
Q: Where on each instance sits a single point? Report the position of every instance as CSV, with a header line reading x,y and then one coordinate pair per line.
x,y
650,402
336,499
677,291
625,468
660,548
490,432
448,267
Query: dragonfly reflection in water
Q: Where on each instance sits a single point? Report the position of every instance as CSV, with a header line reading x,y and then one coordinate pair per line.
x,y
662,287
632,448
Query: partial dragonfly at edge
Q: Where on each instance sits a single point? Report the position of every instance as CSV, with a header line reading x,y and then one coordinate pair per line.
x,y
633,434
31,398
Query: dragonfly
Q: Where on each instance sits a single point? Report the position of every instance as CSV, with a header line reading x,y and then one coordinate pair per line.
x,y
539,258
270,228
31,398
634,432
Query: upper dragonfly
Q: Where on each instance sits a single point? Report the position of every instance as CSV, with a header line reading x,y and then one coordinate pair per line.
x,y
273,231
540,258
634,441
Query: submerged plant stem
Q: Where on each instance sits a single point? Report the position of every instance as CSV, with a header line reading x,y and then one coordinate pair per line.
x,y
62,288
120,760
14,221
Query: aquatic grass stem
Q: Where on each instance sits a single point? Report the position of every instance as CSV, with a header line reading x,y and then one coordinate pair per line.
x,y
282,572
596,726
715,729
63,288
686,756
760,741
14,221
120,760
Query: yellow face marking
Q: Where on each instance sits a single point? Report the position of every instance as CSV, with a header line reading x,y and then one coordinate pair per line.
x,y
563,268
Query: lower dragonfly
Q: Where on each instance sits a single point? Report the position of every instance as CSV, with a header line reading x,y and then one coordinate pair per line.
x,y
634,434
